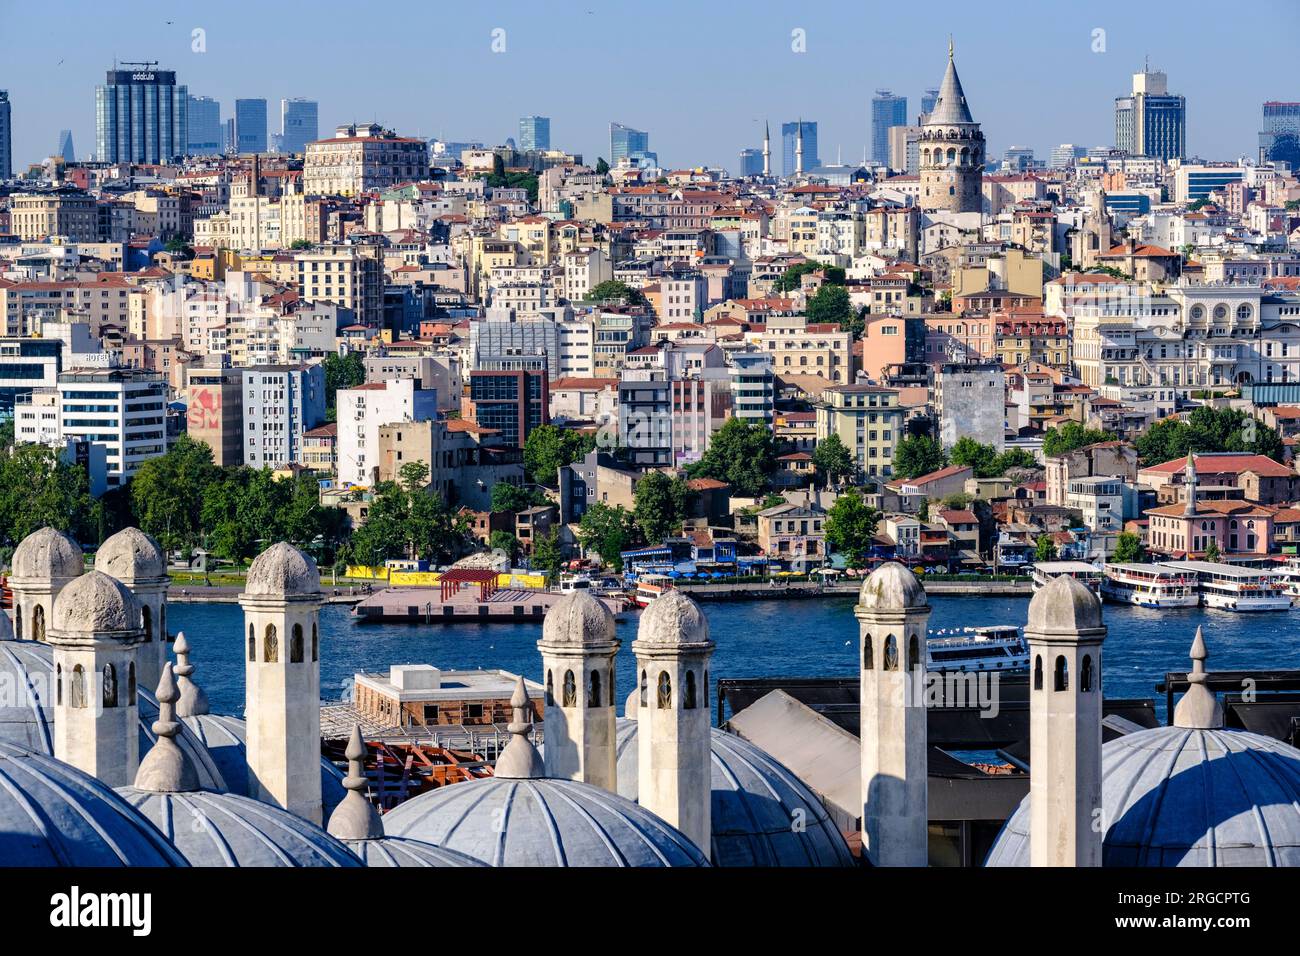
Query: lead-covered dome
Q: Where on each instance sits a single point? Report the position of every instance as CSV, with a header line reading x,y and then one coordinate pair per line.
x,y
1064,606
672,619
282,571
891,587
96,603
1178,796
131,556
227,829
541,822
578,619
756,804
52,814
48,553
396,851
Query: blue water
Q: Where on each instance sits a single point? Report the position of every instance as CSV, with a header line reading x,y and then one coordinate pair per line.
x,y
815,637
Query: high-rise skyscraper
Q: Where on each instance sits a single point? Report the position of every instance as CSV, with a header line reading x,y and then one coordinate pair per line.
x,y
1279,140
928,99
1017,159
205,126
66,150
534,133
886,110
751,162
628,143
298,124
141,116
789,137
1063,156
1151,121
250,126
6,137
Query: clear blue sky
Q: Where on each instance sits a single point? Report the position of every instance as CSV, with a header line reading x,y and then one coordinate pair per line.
x,y
699,76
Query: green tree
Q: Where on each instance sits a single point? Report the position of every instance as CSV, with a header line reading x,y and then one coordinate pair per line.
x,y
342,371
918,455
39,489
608,531
792,278
505,541
1045,550
831,303
168,492
832,460
413,475
740,454
549,448
547,554
511,499
1068,437
1208,429
1212,551
615,290
602,167
660,505
982,459
300,244
850,526
1013,458
1128,549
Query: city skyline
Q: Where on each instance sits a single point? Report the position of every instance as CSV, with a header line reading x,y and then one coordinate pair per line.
x,y
1061,91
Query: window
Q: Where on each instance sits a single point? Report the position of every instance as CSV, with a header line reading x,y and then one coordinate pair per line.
x,y
891,653
78,687
688,694
550,690
315,643
252,644
147,616
474,711
270,646
645,702
570,690
1061,674
1085,674
295,645
867,662
1038,673
593,694
665,691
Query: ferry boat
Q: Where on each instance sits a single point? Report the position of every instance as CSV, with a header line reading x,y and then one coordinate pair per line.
x,y
1088,574
649,587
1289,574
1232,587
586,582
992,648
1150,585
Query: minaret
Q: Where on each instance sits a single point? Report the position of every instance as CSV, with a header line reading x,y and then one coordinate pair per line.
x,y
892,612
578,647
767,149
43,564
96,634
674,752
356,817
193,700
281,602
798,149
1189,481
137,560
1065,632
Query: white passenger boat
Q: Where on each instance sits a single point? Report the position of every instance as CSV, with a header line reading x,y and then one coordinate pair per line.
x,y
1088,574
996,648
649,587
1232,587
1289,573
1150,585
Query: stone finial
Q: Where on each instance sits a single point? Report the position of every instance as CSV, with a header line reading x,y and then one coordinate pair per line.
x,y
632,705
1065,606
1200,708
193,699
520,759
355,818
166,768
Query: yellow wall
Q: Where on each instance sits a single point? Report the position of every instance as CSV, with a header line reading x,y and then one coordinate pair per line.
x,y
425,579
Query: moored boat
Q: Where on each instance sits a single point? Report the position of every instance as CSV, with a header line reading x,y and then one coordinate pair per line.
x,y
1150,585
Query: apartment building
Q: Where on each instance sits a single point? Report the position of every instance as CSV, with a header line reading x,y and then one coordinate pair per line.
x,y
349,276
54,212
281,404
363,411
363,159
798,347
124,410
868,420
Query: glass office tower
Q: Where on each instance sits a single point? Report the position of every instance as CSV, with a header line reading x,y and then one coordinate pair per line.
x,y
141,116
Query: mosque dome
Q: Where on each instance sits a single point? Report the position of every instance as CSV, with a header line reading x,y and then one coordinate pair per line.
x,y
1183,796
396,851
1064,606
673,619
29,722
52,814
95,602
754,800
47,554
131,556
282,571
227,829
224,740
891,587
578,619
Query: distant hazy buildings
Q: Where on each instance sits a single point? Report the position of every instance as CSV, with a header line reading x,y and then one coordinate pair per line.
x,y
250,126
631,144
141,116
6,137
534,133
1017,159
1063,156
298,124
789,139
1279,140
904,148
887,110
928,99
361,159
1151,121
205,137
66,151
751,162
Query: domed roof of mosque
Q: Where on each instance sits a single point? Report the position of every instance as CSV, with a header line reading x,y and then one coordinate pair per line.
x,y
227,829
52,814
577,619
96,602
28,721
754,800
47,553
282,571
1064,606
1193,794
672,619
131,555
520,818
396,851
891,587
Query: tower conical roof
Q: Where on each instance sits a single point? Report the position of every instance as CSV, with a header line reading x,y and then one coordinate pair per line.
x,y
950,108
